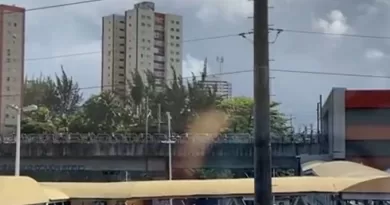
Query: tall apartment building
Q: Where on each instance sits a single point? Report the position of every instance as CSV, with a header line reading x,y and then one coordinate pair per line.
x,y
141,39
12,31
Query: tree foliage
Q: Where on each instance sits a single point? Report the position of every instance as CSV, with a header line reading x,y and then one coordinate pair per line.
x,y
241,110
61,109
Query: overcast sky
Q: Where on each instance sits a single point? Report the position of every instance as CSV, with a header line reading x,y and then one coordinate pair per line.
x,y
77,29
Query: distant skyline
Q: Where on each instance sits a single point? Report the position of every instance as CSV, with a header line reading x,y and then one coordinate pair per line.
x,y
76,29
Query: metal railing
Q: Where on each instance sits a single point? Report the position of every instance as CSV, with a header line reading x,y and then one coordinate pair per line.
x,y
233,138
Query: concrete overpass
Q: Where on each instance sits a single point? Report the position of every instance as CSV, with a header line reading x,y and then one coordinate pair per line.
x,y
107,153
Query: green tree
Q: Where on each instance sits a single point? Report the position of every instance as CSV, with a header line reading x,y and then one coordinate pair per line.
x,y
105,113
214,174
240,111
66,96
60,95
39,121
35,90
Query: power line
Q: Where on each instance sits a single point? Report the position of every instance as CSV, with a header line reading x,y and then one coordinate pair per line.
x,y
62,56
251,70
97,52
56,6
331,34
242,34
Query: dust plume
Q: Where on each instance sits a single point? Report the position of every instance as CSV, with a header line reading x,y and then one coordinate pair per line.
x,y
202,132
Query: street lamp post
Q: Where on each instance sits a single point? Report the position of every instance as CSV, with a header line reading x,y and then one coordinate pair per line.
x,y
169,142
18,129
148,114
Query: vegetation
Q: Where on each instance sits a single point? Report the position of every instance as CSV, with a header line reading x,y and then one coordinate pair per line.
x,y
62,109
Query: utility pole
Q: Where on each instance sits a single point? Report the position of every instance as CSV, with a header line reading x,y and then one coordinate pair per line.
x,y
147,117
262,157
220,61
318,117
320,113
159,118
291,124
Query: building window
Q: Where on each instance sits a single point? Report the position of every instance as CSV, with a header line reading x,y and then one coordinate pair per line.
x,y
177,37
8,78
177,22
172,29
142,24
8,88
177,45
177,30
8,52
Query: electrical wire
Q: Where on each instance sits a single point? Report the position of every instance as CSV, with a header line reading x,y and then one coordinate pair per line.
x,y
251,70
331,34
56,6
98,52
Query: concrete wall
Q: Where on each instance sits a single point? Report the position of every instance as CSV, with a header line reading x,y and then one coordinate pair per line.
x,y
135,164
227,150
333,117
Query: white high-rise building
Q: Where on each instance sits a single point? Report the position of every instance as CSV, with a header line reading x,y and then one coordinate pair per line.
x,y
12,30
141,39
223,88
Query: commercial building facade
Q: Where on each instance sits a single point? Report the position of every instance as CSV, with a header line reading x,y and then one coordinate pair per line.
x,y
144,40
223,88
357,123
12,34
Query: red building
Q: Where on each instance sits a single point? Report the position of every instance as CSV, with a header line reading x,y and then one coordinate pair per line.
x,y
357,123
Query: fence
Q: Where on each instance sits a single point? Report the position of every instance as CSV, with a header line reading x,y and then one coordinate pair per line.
x,y
233,138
